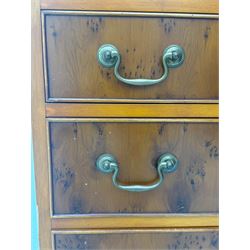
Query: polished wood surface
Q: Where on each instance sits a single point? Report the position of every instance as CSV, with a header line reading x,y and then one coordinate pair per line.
x,y
135,221
133,110
190,6
208,240
78,188
72,42
39,131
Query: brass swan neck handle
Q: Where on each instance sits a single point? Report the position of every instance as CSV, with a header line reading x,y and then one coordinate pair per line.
x,y
108,56
107,163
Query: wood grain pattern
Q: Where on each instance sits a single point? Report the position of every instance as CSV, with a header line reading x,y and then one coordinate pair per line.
x,y
39,131
191,6
137,221
208,240
72,42
78,188
132,110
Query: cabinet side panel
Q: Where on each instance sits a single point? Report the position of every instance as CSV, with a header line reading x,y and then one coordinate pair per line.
x,y
39,131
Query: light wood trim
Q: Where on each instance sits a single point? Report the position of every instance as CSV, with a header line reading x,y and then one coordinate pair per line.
x,y
154,221
128,231
182,6
132,110
39,131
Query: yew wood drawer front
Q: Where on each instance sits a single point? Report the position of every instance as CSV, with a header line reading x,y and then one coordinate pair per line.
x,y
73,72
159,239
79,187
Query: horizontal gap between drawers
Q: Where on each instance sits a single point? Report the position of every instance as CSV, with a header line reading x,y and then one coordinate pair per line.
x,y
133,110
136,221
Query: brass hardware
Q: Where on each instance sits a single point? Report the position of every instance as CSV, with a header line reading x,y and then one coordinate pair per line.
x,y
107,163
108,56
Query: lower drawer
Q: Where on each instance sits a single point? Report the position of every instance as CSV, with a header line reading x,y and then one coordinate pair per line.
x,y
79,188
138,239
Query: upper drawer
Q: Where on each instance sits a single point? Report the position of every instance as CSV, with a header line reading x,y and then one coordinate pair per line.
x,y
72,71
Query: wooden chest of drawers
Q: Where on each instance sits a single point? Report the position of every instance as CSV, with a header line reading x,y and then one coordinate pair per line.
x,y
125,123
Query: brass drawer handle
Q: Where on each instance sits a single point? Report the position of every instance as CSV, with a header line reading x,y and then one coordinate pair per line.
x,y
107,163
108,56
